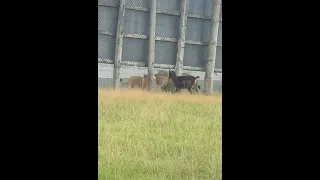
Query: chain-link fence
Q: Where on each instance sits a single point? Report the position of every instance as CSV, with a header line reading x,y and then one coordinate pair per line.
x,y
135,48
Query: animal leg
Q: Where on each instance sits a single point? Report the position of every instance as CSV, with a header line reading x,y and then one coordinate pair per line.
x,y
197,90
189,89
172,90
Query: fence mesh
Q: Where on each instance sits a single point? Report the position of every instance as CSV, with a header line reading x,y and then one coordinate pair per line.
x,y
135,48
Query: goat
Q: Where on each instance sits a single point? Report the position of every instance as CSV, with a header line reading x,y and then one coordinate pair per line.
x,y
184,82
196,87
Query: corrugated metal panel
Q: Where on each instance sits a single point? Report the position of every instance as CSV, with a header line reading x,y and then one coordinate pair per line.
x,y
136,22
106,46
220,35
109,2
168,5
105,70
128,71
135,50
218,58
195,55
166,52
167,25
200,7
198,29
107,19
138,3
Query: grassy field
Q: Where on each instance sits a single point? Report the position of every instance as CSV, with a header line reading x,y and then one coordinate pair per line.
x,y
151,136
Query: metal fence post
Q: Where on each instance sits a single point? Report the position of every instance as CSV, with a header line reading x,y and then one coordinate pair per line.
x,y
182,37
152,35
212,47
119,43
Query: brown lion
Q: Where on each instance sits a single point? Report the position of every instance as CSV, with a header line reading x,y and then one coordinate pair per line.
x,y
138,82
135,82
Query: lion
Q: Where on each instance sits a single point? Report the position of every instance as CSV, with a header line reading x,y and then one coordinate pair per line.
x,y
138,82
135,82
166,83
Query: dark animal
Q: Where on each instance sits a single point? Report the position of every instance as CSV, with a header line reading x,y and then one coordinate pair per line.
x,y
184,82
196,87
169,86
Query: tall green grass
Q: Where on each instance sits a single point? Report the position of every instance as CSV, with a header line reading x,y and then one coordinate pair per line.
x,y
152,136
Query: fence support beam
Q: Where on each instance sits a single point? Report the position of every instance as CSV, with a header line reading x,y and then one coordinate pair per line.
x,y
182,37
119,43
212,47
152,42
